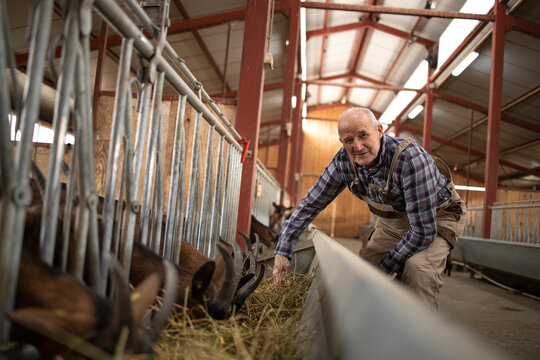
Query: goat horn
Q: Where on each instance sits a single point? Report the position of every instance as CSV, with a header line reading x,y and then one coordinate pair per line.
x,y
220,305
244,292
171,289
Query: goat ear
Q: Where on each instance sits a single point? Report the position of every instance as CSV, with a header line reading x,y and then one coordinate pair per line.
x,y
202,278
144,296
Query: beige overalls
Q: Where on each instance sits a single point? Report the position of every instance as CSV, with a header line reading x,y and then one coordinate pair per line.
x,y
423,270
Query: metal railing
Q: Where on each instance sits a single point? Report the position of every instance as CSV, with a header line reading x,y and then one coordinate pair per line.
x,y
204,213
515,221
267,191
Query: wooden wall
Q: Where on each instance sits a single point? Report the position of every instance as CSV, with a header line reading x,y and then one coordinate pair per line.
x,y
347,215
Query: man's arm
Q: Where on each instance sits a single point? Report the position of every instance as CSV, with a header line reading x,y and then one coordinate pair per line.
x,y
419,177
327,188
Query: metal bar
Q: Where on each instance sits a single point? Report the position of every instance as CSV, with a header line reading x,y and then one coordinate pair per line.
x,y
176,179
122,90
132,190
494,122
296,150
102,51
114,14
218,201
87,224
321,61
521,25
194,192
203,236
150,162
6,153
12,219
288,90
225,213
225,87
397,11
49,218
158,187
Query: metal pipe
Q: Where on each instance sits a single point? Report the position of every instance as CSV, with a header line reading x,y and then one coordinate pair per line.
x,y
203,237
114,14
218,201
176,180
194,192
122,89
12,219
49,220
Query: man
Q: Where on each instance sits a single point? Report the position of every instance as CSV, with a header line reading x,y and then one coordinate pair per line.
x,y
419,214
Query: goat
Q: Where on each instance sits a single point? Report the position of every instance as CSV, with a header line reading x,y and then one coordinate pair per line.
x,y
267,236
277,217
59,315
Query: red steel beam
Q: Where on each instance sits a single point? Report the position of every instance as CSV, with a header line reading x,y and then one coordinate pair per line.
x,y
288,90
296,150
473,152
202,45
396,60
323,46
250,92
494,120
397,11
267,87
357,53
361,86
372,25
513,23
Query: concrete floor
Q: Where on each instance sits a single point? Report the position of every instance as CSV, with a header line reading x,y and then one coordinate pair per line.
x,y
500,318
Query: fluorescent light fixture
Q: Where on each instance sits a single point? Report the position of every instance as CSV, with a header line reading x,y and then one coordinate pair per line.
x,y
465,63
416,111
417,80
293,102
459,29
470,188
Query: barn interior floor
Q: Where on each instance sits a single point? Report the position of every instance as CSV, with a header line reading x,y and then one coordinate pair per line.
x,y
502,319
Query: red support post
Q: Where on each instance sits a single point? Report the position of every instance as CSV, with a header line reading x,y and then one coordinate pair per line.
x,y
296,151
494,115
288,89
428,111
250,92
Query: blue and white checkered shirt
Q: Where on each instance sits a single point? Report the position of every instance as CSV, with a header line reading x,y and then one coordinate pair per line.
x,y
417,188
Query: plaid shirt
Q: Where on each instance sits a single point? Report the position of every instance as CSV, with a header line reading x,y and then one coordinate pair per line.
x,y
417,188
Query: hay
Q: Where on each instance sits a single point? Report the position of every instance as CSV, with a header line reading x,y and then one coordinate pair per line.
x,y
266,327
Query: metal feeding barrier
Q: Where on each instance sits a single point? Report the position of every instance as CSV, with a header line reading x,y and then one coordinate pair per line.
x,y
514,246
202,214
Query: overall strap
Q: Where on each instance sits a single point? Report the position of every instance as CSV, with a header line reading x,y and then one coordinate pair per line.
x,y
384,192
356,184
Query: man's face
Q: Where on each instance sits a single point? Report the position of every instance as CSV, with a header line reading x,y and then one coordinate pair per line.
x,y
360,137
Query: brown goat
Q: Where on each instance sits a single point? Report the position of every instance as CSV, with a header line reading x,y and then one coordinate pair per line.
x,y
267,236
60,315
277,217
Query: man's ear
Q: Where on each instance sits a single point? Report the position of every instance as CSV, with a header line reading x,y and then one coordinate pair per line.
x,y
380,129
341,141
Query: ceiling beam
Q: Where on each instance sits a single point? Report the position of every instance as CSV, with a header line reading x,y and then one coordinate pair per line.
x,y
372,25
396,60
361,86
323,46
513,23
202,45
397,11
267,87
474,152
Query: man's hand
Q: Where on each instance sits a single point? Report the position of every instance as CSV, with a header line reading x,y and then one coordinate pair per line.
x,y
282,267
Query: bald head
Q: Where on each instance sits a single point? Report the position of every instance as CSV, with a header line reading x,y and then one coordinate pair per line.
x,y
360,133
358,112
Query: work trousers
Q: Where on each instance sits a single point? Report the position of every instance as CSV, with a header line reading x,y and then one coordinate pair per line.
x,y
423,272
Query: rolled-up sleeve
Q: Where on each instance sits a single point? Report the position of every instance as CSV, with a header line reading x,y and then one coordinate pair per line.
x,y
329,185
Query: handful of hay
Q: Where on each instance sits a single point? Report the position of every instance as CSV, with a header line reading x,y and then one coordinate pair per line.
x,y
266,327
